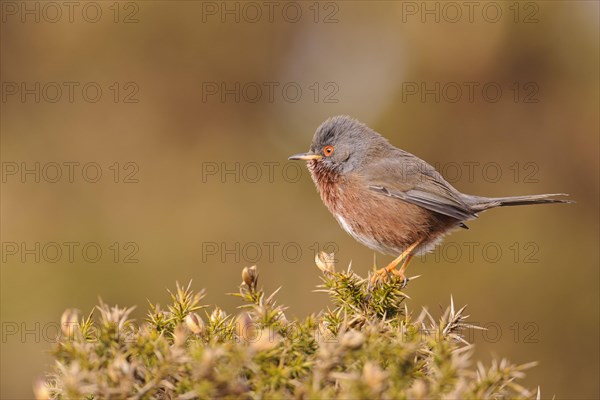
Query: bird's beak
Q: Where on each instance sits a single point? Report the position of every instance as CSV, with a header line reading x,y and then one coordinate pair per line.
x,y
305,156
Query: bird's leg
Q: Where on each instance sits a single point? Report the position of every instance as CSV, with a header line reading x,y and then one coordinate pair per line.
x,y
400,272
406,256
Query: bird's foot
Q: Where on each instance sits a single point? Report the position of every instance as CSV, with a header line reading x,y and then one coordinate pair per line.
x,y
384,274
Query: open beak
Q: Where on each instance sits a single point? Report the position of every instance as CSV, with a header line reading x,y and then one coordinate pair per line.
x,y
305,156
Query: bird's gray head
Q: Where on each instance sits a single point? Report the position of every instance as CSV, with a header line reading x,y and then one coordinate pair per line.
x,y
343,144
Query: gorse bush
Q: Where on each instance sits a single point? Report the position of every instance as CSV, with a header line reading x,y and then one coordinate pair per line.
x,y
367,345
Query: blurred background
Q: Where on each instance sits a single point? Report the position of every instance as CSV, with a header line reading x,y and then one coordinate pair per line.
x,y
145,143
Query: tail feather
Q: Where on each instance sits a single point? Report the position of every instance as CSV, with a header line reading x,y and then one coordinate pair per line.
x,y
478,203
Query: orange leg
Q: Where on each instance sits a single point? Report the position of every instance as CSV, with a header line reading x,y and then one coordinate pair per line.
x,y
405,258
402,269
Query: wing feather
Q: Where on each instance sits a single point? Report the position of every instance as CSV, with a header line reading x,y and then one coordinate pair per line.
x,y
422,186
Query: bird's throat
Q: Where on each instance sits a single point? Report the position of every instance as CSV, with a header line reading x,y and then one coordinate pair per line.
x,y
326,180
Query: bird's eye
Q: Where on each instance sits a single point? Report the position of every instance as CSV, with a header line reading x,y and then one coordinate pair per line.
x,y
328,151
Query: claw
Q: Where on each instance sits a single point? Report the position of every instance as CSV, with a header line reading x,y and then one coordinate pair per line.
x,y
403,278
384,273
404,283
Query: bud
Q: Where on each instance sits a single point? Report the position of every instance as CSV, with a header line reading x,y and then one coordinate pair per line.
x,y
179,336
69,322
418,390
118,368
374,376
325,261
283,319
352,340
217,316
40,390
265,341
122,364
194,323
250,276
245,328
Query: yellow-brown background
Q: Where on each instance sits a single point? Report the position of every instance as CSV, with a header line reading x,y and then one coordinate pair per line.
x,y
372,49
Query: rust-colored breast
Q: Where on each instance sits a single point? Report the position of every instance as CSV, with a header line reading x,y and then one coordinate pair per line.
x,y
382,223
327,183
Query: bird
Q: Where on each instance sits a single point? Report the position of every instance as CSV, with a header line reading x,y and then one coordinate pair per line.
x,y
388,199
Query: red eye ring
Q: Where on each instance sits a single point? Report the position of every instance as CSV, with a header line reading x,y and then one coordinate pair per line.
x,y
328,151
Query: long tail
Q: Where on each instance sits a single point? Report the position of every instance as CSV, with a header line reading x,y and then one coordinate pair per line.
x,y
478,203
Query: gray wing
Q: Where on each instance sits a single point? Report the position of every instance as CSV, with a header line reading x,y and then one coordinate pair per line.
x,y
410,179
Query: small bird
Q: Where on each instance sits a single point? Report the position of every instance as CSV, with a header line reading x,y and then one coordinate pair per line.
x,y
388,199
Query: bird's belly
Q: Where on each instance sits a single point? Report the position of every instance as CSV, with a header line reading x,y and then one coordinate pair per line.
x,y
367,240
385,224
